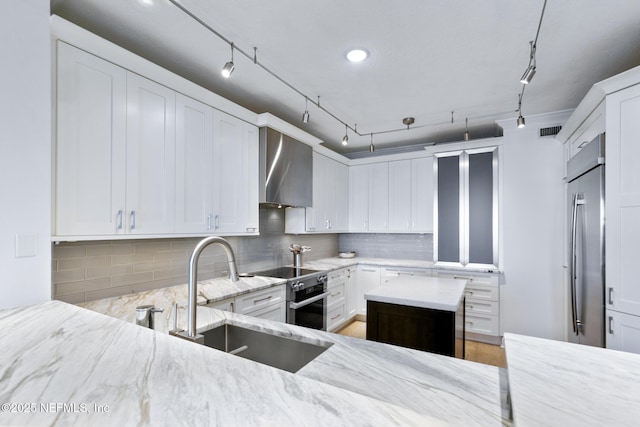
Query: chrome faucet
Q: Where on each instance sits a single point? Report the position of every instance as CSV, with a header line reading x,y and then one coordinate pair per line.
x,y
144,315
193,279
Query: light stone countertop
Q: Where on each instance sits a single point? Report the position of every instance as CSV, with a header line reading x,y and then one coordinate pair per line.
x,y
435,293
556,383
96,370
461,392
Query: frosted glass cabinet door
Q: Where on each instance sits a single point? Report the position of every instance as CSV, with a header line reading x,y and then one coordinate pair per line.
x,y
90,144
194,158
150,156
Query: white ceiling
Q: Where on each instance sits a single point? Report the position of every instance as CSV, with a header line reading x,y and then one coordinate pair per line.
x,y
427,57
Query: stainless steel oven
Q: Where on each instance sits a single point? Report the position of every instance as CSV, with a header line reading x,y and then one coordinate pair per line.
x,y
306,295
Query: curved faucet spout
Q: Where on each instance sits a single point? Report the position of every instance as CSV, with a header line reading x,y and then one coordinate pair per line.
x,y
193,275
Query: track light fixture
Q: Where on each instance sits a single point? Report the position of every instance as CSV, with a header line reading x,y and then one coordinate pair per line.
x,y
345,140
531,69
371,147
467,136
305,115
520,118
228,67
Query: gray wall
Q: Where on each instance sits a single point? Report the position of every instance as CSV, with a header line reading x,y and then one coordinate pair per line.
x,y
394,246
87,271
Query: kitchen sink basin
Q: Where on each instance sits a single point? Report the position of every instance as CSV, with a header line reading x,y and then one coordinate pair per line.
x,y
283,353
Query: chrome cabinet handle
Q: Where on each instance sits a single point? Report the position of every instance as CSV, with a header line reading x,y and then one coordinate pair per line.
x,y
611,324
336,316
255,301
232,307
611,296
119,220
133,220
217,221
209,222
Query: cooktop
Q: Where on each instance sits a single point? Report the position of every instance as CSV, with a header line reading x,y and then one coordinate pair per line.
x,y
285,272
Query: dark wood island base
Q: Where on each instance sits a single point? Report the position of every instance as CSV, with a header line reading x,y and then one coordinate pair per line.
x,y
436,331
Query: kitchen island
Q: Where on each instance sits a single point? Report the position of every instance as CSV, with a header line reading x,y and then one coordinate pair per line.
x,y
424,313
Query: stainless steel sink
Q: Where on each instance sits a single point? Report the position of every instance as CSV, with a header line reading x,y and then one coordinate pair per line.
x,y
283,353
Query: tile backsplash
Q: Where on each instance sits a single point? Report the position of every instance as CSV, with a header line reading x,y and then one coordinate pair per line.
x,y
394,246
87,271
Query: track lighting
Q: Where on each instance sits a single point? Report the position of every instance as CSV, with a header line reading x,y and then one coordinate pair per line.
x,y
371,147
345,140
228,67
305,115
531,69
467,136
520,118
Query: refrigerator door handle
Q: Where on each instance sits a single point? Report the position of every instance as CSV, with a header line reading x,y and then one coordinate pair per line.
x,y
578,200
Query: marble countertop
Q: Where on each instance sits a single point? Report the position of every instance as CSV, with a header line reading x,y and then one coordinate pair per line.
x,y
556,383
436,293
64,365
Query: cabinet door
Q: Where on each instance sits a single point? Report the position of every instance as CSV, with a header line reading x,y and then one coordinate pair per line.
x,y
351,286
150,156
194,160
623,332
315,215
378,196
358,198
91,143
422,195
341,197
329,190
368,279
622,209
249,193
229,156
400,195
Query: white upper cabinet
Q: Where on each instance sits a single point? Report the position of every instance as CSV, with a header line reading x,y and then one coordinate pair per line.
x,y
369,197
91,145
235,175
422,195
194,160
330,210
134,157
400,195
151,111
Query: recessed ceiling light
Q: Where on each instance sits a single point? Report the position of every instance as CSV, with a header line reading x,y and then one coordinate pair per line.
x,y
357,55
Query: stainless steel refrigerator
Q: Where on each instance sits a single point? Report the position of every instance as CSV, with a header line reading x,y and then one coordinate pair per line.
x,y
585,174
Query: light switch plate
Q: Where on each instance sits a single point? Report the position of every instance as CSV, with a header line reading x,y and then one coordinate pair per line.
x,y
26,245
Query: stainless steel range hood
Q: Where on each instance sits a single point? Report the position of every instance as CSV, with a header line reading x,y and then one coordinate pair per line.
x,y
286,170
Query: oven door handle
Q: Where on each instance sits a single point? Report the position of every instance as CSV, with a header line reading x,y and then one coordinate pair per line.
x,y
297,305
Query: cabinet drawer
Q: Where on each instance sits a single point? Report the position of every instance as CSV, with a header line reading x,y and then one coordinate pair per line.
x,y
473,278
276,312
487,325
481,292
481,307
246,304
336,293
335,315
335,276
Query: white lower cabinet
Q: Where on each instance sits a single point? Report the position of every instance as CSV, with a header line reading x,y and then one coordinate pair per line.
x,y
482,304
390,273
351,285
368,279
336,301
622,332
269,304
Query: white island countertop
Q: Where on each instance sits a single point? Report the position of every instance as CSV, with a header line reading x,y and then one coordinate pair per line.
x,y
554,383
435,293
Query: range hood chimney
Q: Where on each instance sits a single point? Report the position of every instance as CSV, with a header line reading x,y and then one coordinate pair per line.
x,y
286,170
